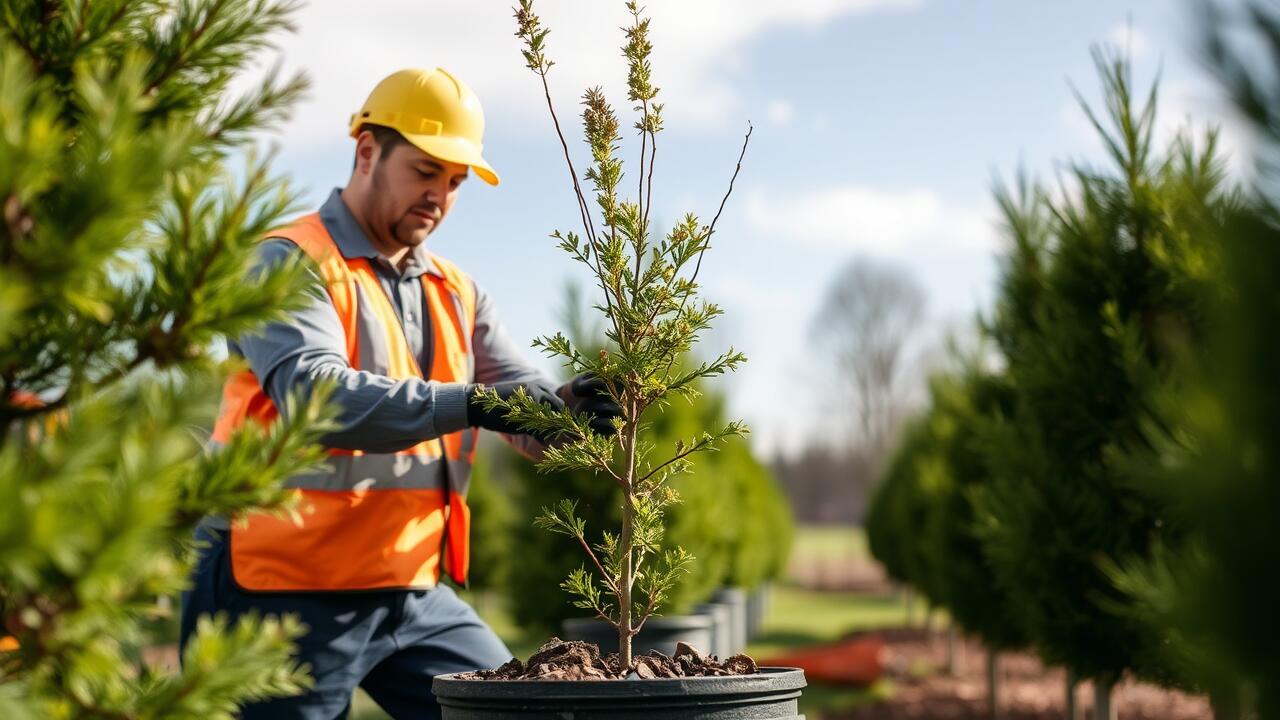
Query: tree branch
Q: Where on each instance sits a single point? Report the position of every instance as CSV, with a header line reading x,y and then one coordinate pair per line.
x,y
181,56
676,458
583,207
613,586
646,613
653,156
711,229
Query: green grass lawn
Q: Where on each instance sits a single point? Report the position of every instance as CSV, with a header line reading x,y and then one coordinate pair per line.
x,y
799,617
815,543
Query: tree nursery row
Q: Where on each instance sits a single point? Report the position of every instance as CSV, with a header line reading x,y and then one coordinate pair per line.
x,y
1096,479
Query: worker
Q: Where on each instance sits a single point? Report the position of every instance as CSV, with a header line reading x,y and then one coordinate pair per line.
x,y
407,339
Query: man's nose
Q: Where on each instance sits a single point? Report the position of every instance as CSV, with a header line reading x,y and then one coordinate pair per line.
x,y
438,190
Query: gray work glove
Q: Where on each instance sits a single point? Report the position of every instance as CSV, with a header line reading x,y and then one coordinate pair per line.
x,y
495,420
590,395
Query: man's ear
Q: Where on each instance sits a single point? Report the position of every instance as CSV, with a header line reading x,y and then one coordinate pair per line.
x,y
366,153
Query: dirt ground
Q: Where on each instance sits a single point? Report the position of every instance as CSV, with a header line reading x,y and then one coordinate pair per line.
x,y
915,663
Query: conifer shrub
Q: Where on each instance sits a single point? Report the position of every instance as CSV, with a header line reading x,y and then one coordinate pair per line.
x,y
1211,590
1106,280
125,248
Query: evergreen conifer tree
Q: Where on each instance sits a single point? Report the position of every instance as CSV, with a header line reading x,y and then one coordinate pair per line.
x,y
124,250
1103,285
1217,456
648,293
897,511
961,405
922,523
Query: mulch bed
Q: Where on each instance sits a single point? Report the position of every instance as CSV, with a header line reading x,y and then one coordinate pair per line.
x,y
915,663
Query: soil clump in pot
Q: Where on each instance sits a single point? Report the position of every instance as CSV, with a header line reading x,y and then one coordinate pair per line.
x,y
575,660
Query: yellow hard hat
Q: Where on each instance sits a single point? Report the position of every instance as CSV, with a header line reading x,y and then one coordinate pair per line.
x,y
435,112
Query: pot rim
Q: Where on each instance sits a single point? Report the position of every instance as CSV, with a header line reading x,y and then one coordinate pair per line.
x,y
768,680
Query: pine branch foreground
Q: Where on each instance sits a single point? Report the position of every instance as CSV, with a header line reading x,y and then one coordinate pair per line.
x,y
124,249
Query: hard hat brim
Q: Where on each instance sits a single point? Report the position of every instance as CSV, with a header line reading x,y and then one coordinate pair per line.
x,y
455,150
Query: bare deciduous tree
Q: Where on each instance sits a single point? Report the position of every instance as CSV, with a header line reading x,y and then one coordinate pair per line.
x,y
865,322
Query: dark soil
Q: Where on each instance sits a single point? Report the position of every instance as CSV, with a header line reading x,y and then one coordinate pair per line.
x,y
915,663
575,660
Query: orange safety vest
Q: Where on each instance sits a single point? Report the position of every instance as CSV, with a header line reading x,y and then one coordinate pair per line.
x,y
370,521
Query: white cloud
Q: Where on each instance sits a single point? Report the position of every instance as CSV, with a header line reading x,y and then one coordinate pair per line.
x,y
347,52
860,218
1130,40
780,112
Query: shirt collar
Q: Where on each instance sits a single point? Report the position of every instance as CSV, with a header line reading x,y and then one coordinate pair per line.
x,y
352,242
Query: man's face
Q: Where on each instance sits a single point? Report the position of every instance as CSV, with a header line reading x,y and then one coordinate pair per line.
x,y
412,192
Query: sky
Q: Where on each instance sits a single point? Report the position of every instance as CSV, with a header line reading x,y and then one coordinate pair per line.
x,y
880,127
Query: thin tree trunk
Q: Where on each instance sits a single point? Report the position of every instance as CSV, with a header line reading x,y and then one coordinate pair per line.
x,y
1102,707
910,600
993,683
625,543
1072,711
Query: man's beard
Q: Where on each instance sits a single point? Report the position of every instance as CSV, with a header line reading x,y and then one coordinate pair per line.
x,y
408,238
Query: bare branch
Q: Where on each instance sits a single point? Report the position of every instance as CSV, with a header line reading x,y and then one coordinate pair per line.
x,y
711,229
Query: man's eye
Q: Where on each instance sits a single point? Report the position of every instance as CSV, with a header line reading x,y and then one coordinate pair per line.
x,y
426,174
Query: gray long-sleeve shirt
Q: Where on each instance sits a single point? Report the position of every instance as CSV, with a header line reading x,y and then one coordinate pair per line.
x,y
378,413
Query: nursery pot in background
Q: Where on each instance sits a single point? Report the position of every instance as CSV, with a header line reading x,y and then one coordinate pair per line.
x,y
658,633
736,599
772,693
757,609
721,631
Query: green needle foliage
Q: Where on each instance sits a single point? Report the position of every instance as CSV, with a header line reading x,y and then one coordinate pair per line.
x,y
1104,285
732,517
1217,589
962,406
125,250
1234,493
649,289
921,522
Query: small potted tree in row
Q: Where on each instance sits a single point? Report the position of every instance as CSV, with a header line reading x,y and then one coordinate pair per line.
x,y
652,318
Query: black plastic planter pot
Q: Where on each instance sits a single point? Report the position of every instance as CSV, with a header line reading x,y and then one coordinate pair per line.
x,y
658,633
773,693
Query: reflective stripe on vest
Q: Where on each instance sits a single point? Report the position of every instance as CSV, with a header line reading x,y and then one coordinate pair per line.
x,y
368,521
